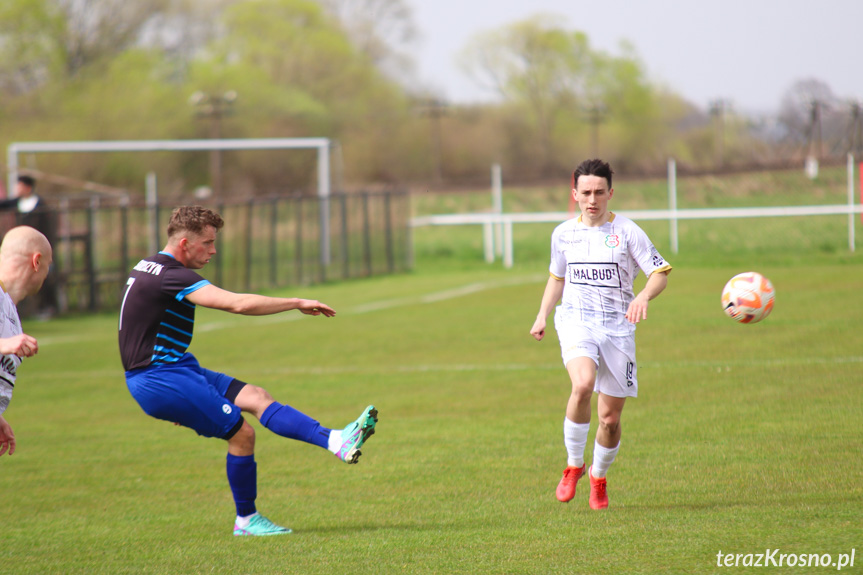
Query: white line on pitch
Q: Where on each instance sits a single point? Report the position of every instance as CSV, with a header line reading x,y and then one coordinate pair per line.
x,y
434,297
452,293
389,369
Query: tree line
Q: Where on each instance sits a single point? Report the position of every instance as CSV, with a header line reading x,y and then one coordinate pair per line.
x,y
179,69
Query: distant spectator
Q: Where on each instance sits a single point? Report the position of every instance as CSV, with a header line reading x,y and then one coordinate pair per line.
x,y
28,204
33,211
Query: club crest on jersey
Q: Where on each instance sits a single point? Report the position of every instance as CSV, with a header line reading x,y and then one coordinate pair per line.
x,y
612,240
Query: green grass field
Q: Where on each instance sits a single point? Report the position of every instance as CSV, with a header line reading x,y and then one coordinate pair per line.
x,y
743,438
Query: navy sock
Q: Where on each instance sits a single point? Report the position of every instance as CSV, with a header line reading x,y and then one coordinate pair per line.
x,y
286,421
243,479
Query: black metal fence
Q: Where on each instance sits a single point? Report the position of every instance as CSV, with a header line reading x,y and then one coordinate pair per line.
x,y
266,243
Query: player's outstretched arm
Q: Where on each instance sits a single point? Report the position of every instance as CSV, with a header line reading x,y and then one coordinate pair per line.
x,y
637,310
7,438
254,304
550,297
22,345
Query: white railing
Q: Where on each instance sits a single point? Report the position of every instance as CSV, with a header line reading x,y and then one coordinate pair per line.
x,y
500,221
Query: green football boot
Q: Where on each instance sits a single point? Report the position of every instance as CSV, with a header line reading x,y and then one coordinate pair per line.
x,y
355,435
260,526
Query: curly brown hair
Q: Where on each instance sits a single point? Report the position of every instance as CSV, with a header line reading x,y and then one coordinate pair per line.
x,y
193,219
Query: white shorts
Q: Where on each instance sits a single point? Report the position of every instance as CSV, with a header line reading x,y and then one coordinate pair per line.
x,y
5,396
614,356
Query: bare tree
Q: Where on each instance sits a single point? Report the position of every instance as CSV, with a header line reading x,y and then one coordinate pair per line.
x,y
185,27
383,30
802,113
536,64
29,51
96,29
45,39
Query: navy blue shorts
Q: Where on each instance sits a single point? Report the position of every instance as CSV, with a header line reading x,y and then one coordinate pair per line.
x,y
186,393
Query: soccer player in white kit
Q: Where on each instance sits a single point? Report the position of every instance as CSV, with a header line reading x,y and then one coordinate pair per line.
x,y
25,257
595,259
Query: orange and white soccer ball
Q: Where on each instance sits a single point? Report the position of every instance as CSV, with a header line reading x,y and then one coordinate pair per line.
x,y
748,297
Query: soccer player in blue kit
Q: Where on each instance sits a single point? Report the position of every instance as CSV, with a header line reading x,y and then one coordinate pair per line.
x,y
595,259
157,317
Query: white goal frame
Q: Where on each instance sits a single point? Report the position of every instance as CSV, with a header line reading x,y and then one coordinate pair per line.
x,y
322,145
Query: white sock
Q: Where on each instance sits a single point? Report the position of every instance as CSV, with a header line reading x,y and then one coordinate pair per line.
x,y
334,443
243,522
603,457
575,438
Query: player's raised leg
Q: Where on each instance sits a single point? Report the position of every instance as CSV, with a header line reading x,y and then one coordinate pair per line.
x,y
281,419
288,422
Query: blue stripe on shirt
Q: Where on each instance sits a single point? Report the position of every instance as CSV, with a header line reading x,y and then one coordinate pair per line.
x,y
165,355
175,328
167,350
192,288
164,359
183,344
188,319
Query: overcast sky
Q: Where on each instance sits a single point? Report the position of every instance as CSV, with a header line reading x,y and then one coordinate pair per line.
x,y
749,52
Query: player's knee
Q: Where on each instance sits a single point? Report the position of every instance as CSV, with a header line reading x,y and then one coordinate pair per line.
x,y
253,399
260,393
610,423
582,391
246,433
583,378
244,439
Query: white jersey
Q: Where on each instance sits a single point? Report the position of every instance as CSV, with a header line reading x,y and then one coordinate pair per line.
x,y
10,326
599,266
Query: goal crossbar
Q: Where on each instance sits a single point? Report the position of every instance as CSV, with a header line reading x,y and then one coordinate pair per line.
x,y
322,145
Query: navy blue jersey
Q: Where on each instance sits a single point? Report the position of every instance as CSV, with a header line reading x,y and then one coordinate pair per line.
x,y
156,321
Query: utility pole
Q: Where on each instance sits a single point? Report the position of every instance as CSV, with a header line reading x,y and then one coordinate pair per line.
x,y
595,116
717,112
214,107
855,141
435,109
815,147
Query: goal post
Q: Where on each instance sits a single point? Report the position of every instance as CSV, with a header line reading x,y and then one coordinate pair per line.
x,y
322,145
